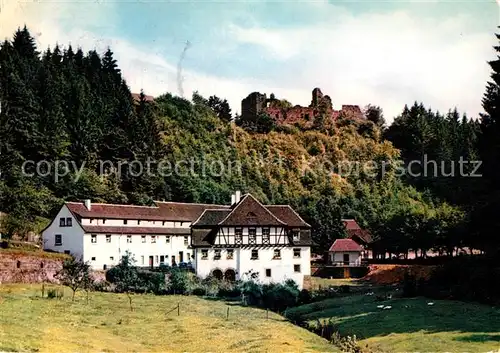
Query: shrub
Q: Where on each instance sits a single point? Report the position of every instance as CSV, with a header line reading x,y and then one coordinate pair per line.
x,y
200,291
179,281
52,293
409,285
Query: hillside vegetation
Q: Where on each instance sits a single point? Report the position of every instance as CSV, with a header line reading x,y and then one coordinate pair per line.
x,y
64,108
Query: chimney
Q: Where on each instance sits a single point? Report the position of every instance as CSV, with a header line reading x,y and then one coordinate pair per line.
x,y
237,196
233,199
87,204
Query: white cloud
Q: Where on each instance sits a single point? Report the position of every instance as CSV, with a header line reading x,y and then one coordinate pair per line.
x,y
386,59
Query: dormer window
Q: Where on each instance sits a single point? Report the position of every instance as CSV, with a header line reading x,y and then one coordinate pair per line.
x,y
295,235
251,217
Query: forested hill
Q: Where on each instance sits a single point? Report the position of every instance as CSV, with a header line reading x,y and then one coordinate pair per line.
x,y
66,106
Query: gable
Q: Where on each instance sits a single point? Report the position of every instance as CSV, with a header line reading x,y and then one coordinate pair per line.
x,y
250,212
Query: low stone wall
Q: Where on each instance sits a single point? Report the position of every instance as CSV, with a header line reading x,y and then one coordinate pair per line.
x,y
21,268
33,268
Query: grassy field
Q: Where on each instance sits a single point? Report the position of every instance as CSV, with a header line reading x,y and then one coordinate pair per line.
x,y
411,325
31,323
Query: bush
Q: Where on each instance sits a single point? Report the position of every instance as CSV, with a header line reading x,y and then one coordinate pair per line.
x,y
199,291
52,293
409,285
179,281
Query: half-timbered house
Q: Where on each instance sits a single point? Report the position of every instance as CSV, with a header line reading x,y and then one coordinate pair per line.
x,y
221,240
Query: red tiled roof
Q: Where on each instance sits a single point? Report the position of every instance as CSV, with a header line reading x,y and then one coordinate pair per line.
x,y
165,211
186,211
343,245
99,210
287,215
355,231
137,97
135,230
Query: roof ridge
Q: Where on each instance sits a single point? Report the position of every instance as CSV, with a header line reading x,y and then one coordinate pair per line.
x,y
193,203
241,202
109,204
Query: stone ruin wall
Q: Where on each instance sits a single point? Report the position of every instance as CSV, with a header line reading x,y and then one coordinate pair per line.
x,y
23,268
256,103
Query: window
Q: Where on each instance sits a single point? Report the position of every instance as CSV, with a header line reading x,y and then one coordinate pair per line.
x,y
62,222
167,239
67,252
186,240
142,260
69,222
296,268
108,238
111,258
265,235
124,221
230,254
156,259
204,254
129,239
58,239
162,259
93,258
238,233
255,255
93,238
296,235
268,272
252,235
296,253
277,254
153,239
251,217
18,264
143,238
217,255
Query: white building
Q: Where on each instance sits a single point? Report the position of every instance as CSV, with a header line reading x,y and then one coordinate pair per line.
x,y
223,240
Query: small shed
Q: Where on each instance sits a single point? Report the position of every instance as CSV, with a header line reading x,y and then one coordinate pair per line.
x,y
345,252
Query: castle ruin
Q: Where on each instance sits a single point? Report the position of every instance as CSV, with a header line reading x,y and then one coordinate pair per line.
x,y
256,103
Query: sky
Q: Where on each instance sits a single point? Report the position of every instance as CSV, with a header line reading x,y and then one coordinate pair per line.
x,y
386,53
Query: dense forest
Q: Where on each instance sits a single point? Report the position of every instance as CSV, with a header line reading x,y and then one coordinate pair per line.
x,y
65,104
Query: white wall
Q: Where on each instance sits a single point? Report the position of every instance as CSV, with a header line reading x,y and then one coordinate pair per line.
x,y
72,237
281,269
109,254
338,258
133,223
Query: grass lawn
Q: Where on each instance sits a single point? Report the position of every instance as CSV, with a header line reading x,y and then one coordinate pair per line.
x,y
31,323
411,325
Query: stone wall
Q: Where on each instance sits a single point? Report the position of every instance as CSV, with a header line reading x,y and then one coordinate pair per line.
x,y
24,268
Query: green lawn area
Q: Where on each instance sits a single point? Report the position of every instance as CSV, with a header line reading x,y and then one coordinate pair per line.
x,y
31,323
411,325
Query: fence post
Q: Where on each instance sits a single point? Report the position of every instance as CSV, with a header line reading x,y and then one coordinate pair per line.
x,y
178,309
267,314
227,315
